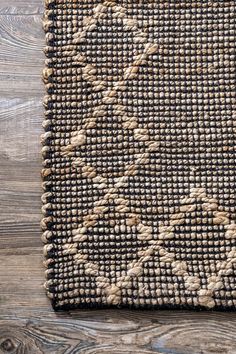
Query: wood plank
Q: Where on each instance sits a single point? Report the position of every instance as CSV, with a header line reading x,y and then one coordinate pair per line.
x,y
21,7
20,160
25,269
119,332
21,55
21,125
20,181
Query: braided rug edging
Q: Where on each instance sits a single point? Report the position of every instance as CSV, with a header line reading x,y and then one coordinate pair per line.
x,y
46,222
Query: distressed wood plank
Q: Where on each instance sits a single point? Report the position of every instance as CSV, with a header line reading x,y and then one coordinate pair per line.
x,y
20,182
20,160
20,7
120,332
21,125
21,55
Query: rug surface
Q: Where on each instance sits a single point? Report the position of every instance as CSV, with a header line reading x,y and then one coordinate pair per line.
x,y
139,153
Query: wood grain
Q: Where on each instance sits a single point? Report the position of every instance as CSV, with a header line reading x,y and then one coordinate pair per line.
x,y
119,332
21,55
21,7
27,322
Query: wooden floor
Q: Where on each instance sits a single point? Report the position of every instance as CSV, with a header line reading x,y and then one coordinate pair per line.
x,y
27,322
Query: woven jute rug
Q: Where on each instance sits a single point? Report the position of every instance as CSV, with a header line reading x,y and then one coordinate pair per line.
x,y
139,153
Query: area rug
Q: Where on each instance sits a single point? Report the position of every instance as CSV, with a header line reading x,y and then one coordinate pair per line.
x,y
139,153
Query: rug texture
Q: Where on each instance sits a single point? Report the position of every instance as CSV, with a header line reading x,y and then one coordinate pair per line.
x,y
139,153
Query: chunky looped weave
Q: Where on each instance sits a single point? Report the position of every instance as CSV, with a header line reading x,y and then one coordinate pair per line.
x,y
139,153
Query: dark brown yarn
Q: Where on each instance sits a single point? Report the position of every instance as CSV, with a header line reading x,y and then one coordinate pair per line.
x,y
139,153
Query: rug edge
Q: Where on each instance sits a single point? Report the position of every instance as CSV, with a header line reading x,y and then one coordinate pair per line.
x,y
46,221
